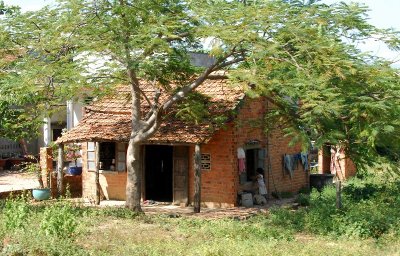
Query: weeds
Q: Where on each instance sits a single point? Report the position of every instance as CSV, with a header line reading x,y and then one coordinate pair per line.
x,y
16,212
371,210
370,217
59,220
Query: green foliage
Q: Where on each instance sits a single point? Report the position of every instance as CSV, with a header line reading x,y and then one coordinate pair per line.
x,y
118,212
303,199
292,220
370,209
280,232
194,108
59,220
322,87
257,228
16,212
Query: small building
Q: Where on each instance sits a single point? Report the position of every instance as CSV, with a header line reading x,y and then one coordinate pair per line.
x,y
168,156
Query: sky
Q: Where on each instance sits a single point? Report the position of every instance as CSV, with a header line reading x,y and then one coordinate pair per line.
x,y
383,14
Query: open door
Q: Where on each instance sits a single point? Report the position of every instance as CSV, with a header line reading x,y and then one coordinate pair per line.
x,y
159,173
181,173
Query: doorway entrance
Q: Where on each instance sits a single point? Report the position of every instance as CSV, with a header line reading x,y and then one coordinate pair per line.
x,y
158,173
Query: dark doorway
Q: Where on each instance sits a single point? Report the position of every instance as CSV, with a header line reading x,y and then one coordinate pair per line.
x,y
158,173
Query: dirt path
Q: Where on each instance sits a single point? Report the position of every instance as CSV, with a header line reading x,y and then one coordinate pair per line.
x,y
206,213
16,180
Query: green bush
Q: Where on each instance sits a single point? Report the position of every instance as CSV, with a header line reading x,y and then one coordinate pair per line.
x,y
303,200
371,209
357,189
59,220
16,212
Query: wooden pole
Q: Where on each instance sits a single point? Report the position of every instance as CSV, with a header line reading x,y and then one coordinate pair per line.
x,y
197,178
60,167
338,194
96,179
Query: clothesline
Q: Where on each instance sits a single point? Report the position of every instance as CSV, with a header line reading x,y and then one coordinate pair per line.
x,y
291,162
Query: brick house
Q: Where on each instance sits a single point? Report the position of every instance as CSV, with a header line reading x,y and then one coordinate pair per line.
x,y
168,158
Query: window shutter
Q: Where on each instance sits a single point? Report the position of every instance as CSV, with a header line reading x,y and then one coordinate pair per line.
x,y
91,156
121,157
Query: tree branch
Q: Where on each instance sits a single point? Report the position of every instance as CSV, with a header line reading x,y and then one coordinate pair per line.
x,y
175,37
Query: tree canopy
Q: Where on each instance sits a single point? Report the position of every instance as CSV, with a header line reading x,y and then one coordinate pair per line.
x,y
302,55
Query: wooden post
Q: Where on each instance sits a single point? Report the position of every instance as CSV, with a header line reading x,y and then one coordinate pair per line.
x,y
197,178
338,194
60,166
96,179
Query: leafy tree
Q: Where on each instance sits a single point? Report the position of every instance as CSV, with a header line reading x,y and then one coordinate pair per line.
x,y
299,54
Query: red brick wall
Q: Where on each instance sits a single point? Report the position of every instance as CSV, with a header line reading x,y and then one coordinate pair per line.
x,y
250,126
277,178
220,185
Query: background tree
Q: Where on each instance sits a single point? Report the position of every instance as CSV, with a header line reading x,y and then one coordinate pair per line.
x,y
292,53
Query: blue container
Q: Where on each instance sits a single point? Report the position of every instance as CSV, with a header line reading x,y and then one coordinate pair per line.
x,y
41,193
75,170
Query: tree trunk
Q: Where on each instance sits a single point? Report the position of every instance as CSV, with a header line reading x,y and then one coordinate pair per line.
x,y
134,177
60,166
24,146
197,179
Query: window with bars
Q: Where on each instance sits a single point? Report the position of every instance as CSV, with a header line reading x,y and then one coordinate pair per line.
x,y
206,162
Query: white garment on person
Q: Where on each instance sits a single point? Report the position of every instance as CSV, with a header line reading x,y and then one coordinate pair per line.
x,y
262,190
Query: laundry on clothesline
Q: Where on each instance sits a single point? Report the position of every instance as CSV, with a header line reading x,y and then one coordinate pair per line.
x,y
291,162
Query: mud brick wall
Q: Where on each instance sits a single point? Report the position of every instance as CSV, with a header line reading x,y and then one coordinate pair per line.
x,y
113,184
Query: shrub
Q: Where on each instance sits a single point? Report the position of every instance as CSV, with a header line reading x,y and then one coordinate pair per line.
x,y
289,219
303,200
59,220
16,212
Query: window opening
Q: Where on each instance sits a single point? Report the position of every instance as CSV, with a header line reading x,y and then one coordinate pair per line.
x,y
107,156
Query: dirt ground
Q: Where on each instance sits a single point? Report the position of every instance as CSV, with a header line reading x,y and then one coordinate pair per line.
x,y
206,213
16,180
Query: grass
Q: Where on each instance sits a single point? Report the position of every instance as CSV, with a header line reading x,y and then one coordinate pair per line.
x,y
117,232
368,224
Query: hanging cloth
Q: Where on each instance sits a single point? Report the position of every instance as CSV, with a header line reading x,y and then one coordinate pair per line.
x,y
241,154
304,160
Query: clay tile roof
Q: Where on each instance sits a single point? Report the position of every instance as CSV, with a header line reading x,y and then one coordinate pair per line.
x,y
108,119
